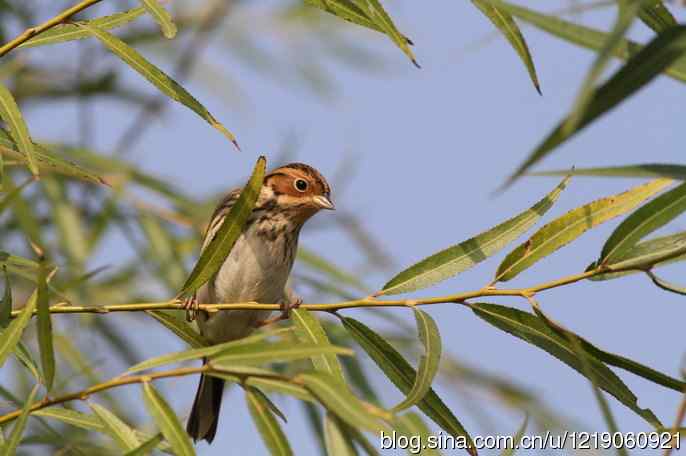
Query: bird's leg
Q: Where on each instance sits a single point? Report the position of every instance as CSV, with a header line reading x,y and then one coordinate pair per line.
x,y
192,307
286,306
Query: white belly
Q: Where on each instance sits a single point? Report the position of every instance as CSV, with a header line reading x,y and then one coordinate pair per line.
x,y
254,271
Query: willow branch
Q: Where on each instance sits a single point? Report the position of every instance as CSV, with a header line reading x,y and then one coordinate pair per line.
x,y
33,31
369,301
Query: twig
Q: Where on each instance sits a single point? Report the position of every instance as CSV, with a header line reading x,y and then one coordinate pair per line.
x,y
33,31
680,416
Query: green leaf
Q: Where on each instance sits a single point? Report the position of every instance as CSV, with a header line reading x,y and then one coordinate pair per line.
x,y
508,27
309,330
180,327
147,446
9,112
337,443
260,353
517,438
228,233
280,386
332,271
266,423
638,71
647,254
655,15
120,432
70,32
667,286
47,161
70,226
401,373
197,353
411,424
375,11
26,359
268,402
644,221
671,171
72,417
463,256
6,303
9,196
428,363
14,439
535,331
167,421
573,224
11,335
156,76
47,351
583,36
337,399
161,16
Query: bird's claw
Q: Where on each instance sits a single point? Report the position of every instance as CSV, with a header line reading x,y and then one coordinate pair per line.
x,y
192,307
286,307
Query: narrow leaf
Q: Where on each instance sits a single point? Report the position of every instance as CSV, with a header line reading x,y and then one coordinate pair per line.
x,y
147,447
266,424
517,438
573,224
644,221
72,417
402,375
280,386
268,402
26,359
337,443
179,327
533,330
647,254
463,256
6,303
655,15
508,27
161,16
667,286
411,424
47,351
228,233
156,76
376,12
14,439
309,330
11,335
120,432
340,401
167,421
261,353
329,269
428,363
9,112
668,170
638,71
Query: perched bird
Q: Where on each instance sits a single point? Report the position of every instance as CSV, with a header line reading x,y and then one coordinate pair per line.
x,y
257,269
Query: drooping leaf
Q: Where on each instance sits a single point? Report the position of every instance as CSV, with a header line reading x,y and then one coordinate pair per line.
x,y
70,32
428,363
272,434
644,221
26,359
120,432
147,446
517,438
464,255
10,448
503,21
11,335
261,352
9,112
668,286
6,303
72,417
410,425
573,224
156,76
376,12
668,170
535,331
228,233
47,351
657,251
309,330
337,443
280,386
402,375
638,71
167,421
337,399
161,16
655,15
180,327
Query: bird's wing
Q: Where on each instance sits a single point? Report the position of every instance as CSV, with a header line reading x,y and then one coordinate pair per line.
x,y
219,215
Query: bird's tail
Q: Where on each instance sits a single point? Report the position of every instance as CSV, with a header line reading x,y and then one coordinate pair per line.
x,y
202,423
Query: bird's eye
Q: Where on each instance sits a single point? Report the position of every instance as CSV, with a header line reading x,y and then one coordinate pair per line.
x,y
300,185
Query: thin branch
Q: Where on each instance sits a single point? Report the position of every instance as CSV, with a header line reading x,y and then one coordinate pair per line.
x,y
680,416
369,301
57,20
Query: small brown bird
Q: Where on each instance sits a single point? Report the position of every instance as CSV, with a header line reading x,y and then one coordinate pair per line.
x,y
257,269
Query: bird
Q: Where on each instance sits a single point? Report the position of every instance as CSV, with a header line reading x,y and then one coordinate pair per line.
x,y
257,269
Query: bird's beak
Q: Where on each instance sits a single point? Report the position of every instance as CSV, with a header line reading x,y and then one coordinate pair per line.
x,y
323,202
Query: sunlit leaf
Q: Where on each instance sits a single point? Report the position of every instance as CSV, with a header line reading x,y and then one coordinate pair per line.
x,y
402,375
533,330
167,421
156,76
47,351
266,424
276,385
228,233
11,335
309,330
10,448
573,224
337,443
461,257
120,432
180,327
508,27
517,438
646,254
261,352
72,417
411,424
428,363
147,446
9,112
162,17
668,170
